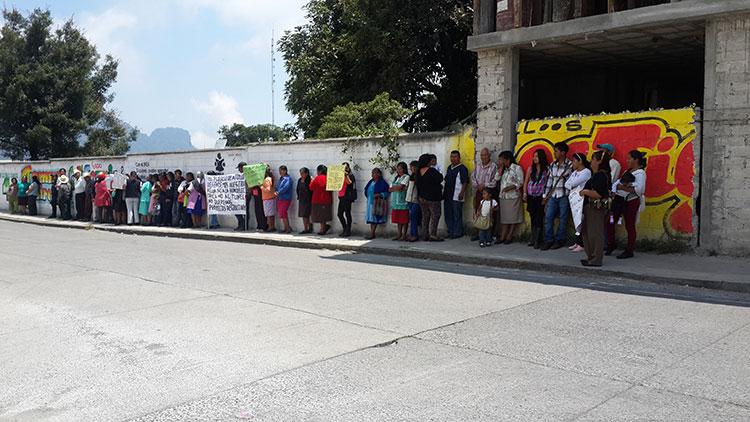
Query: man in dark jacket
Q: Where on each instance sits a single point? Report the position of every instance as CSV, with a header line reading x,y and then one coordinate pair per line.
x,y
454,193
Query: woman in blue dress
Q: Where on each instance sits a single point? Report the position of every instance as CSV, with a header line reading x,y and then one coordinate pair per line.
x,y
376,192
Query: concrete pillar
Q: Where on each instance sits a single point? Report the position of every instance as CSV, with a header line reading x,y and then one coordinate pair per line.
x,y
725,157
497,99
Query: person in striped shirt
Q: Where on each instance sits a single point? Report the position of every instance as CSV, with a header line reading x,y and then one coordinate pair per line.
x,y
556,199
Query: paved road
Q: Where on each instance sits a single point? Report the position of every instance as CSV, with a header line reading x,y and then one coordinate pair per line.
x,y
100,326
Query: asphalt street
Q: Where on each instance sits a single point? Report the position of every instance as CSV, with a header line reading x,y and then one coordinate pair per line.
x,y
99,326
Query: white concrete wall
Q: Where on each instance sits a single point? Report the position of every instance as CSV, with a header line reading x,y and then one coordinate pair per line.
x,y
293,154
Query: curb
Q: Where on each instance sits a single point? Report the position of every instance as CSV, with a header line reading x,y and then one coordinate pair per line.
x,y
491,261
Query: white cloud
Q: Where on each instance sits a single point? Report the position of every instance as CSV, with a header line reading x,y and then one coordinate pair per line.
x,y
110,31
282,14
113,32
202,140
220,109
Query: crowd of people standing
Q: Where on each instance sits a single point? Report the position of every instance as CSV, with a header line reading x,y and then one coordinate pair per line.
x,y
593,194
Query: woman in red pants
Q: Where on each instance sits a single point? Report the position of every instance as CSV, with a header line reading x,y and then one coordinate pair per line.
x,y
629,202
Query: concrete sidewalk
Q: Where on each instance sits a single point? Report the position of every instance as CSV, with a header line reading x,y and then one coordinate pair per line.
x,y
721,273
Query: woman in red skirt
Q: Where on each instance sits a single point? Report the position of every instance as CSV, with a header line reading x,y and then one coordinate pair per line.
x,y
399,206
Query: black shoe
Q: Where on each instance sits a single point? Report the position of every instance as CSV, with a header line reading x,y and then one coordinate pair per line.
x,y
608,252
547,246
556,245
508,242
587,264
625,255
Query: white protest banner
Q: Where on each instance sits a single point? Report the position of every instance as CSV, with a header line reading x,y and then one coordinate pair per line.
x,y
117,181
226,194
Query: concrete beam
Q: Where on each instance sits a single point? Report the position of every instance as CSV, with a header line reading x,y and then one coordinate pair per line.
x,y
629,19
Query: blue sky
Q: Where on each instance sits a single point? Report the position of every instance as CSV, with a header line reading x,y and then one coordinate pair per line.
x,y
195,64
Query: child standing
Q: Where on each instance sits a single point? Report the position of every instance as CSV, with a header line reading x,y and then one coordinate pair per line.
x,y
483,218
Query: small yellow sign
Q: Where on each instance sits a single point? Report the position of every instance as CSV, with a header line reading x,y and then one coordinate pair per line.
x,y
335,178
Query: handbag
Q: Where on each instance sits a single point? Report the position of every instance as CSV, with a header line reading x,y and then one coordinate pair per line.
x,y
483,222
379,207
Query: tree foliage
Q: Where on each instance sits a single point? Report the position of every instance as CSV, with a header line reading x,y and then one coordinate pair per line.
x,y
54,87
109,137
352,50
380,116
239,134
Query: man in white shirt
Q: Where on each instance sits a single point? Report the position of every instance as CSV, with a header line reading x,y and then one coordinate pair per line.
x,y
79,195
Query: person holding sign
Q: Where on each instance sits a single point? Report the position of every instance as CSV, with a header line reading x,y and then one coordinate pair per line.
x,y
322,201
268,193
377,194
347,195
254,177
284,197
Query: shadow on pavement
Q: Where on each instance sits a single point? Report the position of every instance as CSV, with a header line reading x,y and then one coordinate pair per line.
x,y
584,281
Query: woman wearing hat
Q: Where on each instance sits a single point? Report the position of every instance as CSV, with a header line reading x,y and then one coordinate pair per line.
x,y
63,197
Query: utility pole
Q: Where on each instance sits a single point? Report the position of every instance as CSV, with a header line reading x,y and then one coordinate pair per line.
x,y
273,80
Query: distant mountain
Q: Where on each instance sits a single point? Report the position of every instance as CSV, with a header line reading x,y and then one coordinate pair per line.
x,y
162,140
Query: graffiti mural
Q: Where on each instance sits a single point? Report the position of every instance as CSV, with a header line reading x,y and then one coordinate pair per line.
x,y
5,178
666,136
45,179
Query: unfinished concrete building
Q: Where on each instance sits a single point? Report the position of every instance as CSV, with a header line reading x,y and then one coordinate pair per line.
x,y
554,58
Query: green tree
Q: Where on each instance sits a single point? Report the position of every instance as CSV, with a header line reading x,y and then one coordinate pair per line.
x,y
239,134
381,116
54,87
109,137
352,50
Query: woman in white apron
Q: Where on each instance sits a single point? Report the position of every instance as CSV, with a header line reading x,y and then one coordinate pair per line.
x,y
578,178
